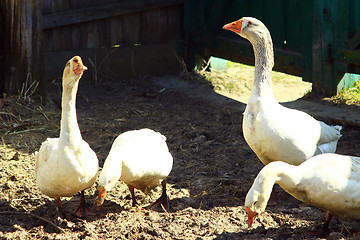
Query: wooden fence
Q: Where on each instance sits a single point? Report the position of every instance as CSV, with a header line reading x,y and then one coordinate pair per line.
x,y
115,38
318,40
21,43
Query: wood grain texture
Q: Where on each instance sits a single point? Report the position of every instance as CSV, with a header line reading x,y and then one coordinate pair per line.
x,y
22,44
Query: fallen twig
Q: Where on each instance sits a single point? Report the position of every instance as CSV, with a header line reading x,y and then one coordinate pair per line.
x,y
165,211
7,113
43,113
23,131
21,199
206,65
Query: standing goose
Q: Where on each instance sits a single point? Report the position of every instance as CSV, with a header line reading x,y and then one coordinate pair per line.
x,y
274,132
141,159
67,165
328,181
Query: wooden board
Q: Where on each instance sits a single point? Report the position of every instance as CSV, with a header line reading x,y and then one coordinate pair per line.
x,y
120,62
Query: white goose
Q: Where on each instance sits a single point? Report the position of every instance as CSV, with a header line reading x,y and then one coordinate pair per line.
x,y
141,159
328,181
274,132
67,165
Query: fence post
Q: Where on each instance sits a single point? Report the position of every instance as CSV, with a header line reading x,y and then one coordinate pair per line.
x,y
330,22
2,80
23,59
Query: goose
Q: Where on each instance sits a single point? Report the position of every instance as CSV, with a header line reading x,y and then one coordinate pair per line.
x,y
141,159
67,165
328,181
274,132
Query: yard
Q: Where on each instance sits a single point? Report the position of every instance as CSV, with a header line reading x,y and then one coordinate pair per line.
x,y
213,166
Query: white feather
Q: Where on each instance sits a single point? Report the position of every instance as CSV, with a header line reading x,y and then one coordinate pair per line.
x,y
139,158
328,181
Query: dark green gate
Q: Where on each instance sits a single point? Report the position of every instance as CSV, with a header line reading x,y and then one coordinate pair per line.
x,y
318,40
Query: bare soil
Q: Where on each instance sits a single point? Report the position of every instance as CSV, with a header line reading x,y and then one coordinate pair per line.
x,y
213,167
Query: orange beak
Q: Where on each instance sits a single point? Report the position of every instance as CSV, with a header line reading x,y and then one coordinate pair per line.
x,y
251,216
101,196
234,26
79,67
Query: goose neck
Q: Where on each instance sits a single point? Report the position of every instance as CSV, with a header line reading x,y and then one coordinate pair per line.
x,y
278,173
69,129
264,62
286,175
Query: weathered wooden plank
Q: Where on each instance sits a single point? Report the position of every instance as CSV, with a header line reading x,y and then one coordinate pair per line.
x,y
92,38
161,25
79,4
22,45
80,32
103,32
58,19
130,26
47,34
46,6
2,37
175,17
78,36
153,26
61,38
98,33
330,20
116,31
346,55
125,61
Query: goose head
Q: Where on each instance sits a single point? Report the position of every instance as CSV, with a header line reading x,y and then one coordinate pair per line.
x,y
258,35
73,71
248,27
105,184
258,196
253,206
109,176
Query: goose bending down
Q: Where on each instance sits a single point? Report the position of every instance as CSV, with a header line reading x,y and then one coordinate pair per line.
x,y
328,181
67,165
274,132
141,159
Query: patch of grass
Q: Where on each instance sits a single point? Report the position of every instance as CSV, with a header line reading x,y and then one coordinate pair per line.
x,y
209,78
350,96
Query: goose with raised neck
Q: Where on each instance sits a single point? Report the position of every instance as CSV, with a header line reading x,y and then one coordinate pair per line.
x,y
67,165
69,128
274,132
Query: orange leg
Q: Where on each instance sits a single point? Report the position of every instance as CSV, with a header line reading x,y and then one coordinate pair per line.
x,y
82,210
58,204
163,202
134,203
328,217
324,230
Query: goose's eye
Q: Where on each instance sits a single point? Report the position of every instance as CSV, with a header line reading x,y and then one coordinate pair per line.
x,y
249,22
76,60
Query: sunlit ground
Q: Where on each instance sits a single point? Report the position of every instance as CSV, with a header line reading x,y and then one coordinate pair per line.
x,y
238,80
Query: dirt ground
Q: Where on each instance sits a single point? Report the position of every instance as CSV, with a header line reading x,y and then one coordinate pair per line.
x,y
213,167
